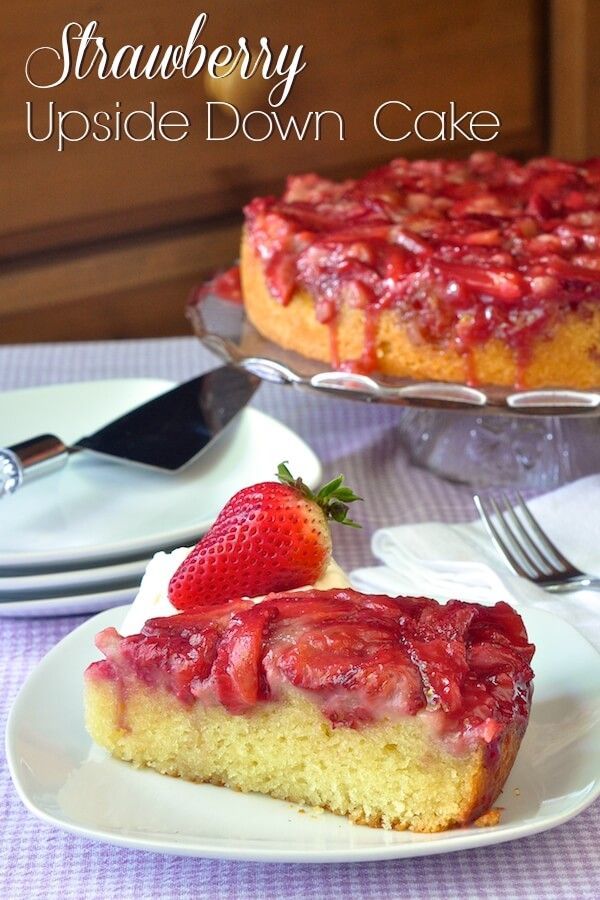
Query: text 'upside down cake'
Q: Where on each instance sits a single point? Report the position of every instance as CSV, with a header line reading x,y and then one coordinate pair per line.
x,y
397,712
485,270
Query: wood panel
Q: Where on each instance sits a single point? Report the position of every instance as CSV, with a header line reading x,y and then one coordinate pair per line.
x,y
125,288
154,310
106,239
575,78
426,53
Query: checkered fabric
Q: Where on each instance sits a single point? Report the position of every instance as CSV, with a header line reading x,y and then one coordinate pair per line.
x,y
361,440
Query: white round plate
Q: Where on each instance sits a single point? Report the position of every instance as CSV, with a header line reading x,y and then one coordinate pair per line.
x,y
103,511
99,577
69,604
66,781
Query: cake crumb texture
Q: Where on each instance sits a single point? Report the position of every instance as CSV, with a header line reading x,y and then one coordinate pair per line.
x,y
387,775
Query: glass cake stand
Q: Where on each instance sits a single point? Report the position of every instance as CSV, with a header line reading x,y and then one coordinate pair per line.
x,y
482,437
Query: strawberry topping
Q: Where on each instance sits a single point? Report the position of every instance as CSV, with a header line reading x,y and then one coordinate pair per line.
x,y
237,666
464,251
361,658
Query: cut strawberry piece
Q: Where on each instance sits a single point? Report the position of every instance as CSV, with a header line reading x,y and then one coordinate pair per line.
x,y
443,666
575,200
367,232
172,659
194,663
395,265
357,658
238,663
410,241
578,273
482,204
189,623
493,658
588,261
505,285
544,285
499,624
312,189
418,202
310,217
108,641
307,605
333,654
542,244
488,238
281,276
451,622
227,285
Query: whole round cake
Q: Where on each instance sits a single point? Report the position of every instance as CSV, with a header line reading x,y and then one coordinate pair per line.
x,y
484,271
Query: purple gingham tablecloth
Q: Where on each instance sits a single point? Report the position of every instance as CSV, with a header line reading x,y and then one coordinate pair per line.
x,y
37,861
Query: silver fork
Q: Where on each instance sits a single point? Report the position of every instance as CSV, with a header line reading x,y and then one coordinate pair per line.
x,y
527,549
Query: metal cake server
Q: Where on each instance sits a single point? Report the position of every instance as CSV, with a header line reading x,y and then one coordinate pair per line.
x,y
166,433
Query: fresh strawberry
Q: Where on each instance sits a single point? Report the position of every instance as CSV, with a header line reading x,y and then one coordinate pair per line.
x,y
269,537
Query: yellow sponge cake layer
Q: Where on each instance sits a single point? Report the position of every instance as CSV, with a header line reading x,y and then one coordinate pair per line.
x,y
390,775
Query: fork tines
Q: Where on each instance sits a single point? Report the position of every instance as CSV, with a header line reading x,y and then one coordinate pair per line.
x,y
521,540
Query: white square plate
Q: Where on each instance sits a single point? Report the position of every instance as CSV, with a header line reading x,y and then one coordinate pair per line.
x,y
66,781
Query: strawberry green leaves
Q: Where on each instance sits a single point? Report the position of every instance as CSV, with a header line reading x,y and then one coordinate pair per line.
x,y
333,498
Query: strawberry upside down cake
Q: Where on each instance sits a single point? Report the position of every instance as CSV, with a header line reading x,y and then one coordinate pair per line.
x,y
485,270
397,712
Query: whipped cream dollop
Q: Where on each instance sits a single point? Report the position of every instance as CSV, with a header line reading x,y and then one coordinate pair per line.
x,y
152,599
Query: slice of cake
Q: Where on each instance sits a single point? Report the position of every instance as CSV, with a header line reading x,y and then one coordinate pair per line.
x,y
484,270
399,713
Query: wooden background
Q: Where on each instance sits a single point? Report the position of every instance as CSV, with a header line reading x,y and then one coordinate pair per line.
x,y
106,240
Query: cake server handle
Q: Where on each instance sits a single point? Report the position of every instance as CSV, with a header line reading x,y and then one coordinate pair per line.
x,y
30,458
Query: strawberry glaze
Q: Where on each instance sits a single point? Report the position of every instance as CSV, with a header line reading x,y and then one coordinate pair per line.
x,y
362,659
462,251
225,285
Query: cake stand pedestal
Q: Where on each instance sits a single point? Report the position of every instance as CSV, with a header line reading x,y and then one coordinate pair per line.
x,y
537,453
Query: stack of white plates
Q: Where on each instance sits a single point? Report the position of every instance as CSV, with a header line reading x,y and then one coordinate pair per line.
x,y
78,540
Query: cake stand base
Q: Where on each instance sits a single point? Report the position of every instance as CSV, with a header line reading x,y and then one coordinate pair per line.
x,y
537,453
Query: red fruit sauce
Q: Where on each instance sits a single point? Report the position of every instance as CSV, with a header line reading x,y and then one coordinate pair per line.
x,y
361,658
225,285
462,251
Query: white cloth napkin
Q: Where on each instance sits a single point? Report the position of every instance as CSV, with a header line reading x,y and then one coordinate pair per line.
x,y
459,561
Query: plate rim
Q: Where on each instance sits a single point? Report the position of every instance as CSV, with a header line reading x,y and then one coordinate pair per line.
x,y
435,845
46,607
104,574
